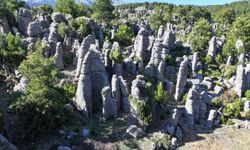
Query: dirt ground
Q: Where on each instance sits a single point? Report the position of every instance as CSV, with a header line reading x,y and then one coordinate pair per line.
x,y
223,138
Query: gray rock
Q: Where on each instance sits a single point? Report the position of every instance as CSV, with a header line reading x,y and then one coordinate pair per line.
x,y
63,148
5,144
181,80
178,133
21,86
218,90
24,19
59,56
212,48
57,17
34,28
246,106
211,118
4,26
239,81
90,39
247,124
116,92
194,63
135,132
85,132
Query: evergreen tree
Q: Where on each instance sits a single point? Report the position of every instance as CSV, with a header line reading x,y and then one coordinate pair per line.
x,y
103,10
65,6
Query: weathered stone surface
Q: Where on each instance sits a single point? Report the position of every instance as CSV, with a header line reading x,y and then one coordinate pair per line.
x,y
192,106
181,80
246,106
34,28
5,144
169,39
57,17
211,118
194,63
53,37
109,104
212,48
4,26
206,97
239,81
59,56
92,80
135,132
24,19
106,51
21,86
116,92
90,39
63,148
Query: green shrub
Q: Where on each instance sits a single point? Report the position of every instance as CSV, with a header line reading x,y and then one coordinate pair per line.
x,y
164,142
232,110
40,109
161,96
208,59
230,71
70,90
184,98
116,55
247,94
124,35
216,102
247,115
143,109
170,61
63,30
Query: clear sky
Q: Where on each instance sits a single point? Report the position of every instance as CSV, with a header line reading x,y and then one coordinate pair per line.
x,y
191,2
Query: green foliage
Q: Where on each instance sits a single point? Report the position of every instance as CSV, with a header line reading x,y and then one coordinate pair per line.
x,y
164,142
232,110
124,35
11,52
46,9
103,10
216,102
143,109
226,16
65,6
70,90
161,96
200,36
116,55
63,30
41,106
247,94
81,10
230,71
82,29
247,115
184,98
170,60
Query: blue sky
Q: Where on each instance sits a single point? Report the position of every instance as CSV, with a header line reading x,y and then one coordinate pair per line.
x,y
192,2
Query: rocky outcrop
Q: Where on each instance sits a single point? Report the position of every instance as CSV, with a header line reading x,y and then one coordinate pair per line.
x,y
90,39
212,48
59,56
4,26
109,109
93,78
240,80
181,79
192,105
24,19
194,63
34,29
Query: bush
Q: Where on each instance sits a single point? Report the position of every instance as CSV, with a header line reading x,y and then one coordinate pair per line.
x,y
184,98
40,109
116,55
63,30
216,102
124,35
230,71
232,110
161,96
164,142
247,94
170,61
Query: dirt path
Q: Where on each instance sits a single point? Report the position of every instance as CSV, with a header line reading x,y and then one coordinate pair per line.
x,y
224,138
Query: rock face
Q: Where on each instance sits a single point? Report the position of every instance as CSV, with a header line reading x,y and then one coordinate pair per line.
x,y
194,63
109,104
90,39
5,144
156,66
24,19
53,37
141,45
246,106
93,78
169,39
239,81
212,48
211,118
34,29
21,86
181,79
59,56
57,17
4,26
106,51
192,105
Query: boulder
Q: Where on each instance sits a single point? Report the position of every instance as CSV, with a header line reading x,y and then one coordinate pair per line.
x,y
34,29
